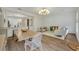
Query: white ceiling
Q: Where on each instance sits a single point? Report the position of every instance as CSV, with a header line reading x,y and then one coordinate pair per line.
x,y
34,10
30,10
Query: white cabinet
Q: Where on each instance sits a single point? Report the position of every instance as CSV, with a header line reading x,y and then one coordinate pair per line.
x,y
9,32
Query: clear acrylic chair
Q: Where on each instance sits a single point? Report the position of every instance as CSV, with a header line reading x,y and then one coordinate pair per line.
x,y
34,42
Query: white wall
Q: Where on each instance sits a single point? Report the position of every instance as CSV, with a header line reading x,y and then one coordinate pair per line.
x,y
1,20
37,22
77,25
61,17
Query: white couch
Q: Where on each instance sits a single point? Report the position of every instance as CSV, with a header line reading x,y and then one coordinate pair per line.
x,y
60,34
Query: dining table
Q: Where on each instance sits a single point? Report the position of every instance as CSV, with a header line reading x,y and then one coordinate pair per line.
x,y
25,34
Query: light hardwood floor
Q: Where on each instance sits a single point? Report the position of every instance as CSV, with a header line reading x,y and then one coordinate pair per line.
x,y
49,44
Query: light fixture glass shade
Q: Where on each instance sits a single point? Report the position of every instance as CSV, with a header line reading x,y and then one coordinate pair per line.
x,y
44,11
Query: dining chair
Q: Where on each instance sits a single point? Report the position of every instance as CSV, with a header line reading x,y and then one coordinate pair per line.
x,y
34,42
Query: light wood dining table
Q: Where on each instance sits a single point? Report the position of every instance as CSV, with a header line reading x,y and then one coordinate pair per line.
x,y
23,35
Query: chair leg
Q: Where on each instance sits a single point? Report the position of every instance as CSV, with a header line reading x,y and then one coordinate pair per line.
x,y
28,48
25,47
32,48
41,48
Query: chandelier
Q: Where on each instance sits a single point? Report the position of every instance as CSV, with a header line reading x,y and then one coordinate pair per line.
x,y
44,11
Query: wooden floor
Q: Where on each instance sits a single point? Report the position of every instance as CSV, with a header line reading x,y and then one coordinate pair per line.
x,y
49,44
